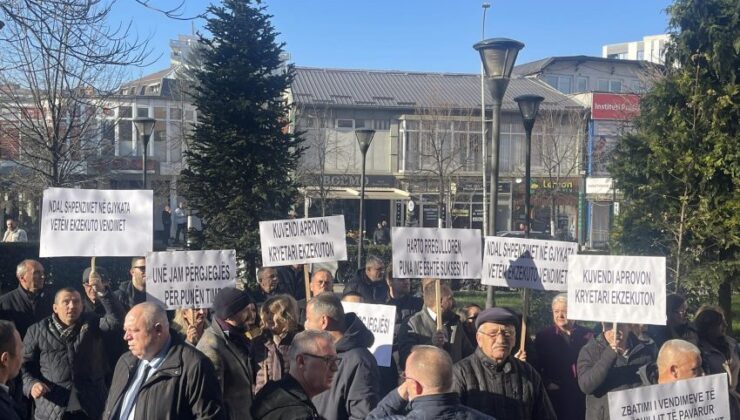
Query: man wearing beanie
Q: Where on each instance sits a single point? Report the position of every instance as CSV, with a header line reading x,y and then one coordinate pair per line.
x,y
493,381
226,345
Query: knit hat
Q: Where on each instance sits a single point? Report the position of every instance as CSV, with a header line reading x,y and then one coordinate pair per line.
x,y
498,315
229,301
104,276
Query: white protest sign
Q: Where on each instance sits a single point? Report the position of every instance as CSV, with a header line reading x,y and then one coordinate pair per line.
x,y
701,398
298,241
621,289
527,263
89,223
188,279
438,253
379,319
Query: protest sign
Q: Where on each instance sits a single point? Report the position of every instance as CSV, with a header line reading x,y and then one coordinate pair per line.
x,y
88,223
617,289
527,263
188,279
298,241
434,252
704,398
380,320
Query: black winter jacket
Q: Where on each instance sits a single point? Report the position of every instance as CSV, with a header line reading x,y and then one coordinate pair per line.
x,y
184,387
17,306
283,400
63,365
511,390
601,370
355,388
9,410
437,407
371,291
129,296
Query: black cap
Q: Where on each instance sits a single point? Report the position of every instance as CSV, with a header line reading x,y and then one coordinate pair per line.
x,y
498,315
229,301
104,276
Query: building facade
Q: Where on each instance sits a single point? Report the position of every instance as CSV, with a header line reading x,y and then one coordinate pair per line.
x,y
425,163
651,48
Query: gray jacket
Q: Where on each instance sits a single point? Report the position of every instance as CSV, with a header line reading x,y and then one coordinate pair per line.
x,y
233,369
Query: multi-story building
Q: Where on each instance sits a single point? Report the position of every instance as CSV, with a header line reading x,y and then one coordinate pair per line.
x,y
609,89
425,161
652,48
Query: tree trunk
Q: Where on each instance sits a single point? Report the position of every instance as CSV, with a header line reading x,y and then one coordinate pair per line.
x,y
725,302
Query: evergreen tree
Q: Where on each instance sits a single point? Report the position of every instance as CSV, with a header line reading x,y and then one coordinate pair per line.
x,y
680,170
241,158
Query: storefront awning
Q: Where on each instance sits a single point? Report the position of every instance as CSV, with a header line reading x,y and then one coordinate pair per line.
x,y
371,193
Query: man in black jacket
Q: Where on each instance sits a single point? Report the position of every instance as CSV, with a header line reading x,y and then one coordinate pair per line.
x,y
11,355
355,389
290,281
267,283
28,304
133,292
369,282
161,377
64,357
313,362
493,381
610,362
426,392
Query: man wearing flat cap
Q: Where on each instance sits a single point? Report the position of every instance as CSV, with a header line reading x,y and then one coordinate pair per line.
x,y
493,381
226,345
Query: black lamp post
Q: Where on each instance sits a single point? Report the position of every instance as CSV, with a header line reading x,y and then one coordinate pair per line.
x,y
498,56
528,107
364,138
145,127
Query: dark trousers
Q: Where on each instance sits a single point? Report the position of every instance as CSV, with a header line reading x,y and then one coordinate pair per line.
x,y
166,234
182,227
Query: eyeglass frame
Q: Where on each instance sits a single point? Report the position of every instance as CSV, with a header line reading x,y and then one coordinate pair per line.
x,y
506,333
330,361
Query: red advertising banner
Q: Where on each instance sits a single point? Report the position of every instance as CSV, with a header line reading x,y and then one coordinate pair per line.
x,y
615,106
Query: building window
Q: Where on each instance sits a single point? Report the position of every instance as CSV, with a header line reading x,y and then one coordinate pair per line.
x,y
160,113
175,113
345,124
381,125
124,112
142,111
561,83
581,84
615,86
641,55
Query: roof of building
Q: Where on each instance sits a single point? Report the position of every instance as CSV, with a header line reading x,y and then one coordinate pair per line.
x,y
538,66
410,90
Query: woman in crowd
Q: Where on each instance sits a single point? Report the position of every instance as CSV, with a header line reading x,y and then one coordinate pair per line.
x,y
719,352
558,347
677,323
279,321
190,323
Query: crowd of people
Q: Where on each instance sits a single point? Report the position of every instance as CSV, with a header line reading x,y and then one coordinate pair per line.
x,y
274,353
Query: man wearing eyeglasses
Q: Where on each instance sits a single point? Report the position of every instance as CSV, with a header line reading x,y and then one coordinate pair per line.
x,y
426,391
29,303
133,292
313,364
355,389
493,381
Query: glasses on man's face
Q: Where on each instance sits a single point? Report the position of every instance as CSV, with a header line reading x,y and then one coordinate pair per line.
x,y
330,361
503,332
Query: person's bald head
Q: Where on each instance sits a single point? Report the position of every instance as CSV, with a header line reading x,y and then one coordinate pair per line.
x,y
146,330
678,359
429,368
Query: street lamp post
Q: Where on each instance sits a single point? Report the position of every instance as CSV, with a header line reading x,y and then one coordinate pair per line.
x,y
145,127
528,107
498,56
364,138
484,149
